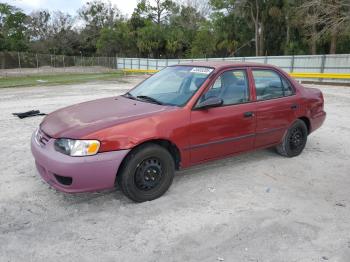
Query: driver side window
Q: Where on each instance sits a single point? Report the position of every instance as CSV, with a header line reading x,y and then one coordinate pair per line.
x,y
231,86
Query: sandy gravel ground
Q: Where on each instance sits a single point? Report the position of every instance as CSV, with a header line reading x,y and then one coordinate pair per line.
x,y
253,207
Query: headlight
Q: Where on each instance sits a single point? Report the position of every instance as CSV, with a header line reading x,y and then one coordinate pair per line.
x,y
73,147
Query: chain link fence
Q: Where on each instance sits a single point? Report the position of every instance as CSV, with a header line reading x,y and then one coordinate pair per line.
x,y
21,63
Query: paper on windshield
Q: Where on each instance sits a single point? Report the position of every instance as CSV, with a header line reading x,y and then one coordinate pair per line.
x,y
202,70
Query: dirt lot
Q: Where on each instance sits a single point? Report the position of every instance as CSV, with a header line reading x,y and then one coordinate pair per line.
x,y
253,207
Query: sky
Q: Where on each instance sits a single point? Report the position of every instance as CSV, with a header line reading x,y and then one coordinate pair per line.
x,y
69,6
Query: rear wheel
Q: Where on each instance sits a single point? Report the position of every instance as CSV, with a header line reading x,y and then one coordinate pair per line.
x,y
294,140
147,173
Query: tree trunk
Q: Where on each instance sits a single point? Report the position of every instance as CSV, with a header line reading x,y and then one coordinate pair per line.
x,y
287,46
159,13
313,46
333,47
256,39
158,18
313,40
257,28
262,40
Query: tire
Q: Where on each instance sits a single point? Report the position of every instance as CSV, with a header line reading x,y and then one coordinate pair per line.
x,y
147,173
294,141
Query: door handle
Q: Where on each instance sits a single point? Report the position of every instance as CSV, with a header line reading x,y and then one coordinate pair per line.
x,y
294,106
248,114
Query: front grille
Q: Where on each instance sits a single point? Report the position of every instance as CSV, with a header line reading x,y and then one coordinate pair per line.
x,y
41,138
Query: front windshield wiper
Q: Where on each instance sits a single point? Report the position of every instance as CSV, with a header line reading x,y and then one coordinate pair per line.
x,y
151,99
128,95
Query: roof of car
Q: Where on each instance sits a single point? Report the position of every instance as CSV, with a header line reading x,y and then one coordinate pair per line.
x,y
224,64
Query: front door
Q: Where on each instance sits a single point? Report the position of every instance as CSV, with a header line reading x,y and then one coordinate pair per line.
x,y
227,129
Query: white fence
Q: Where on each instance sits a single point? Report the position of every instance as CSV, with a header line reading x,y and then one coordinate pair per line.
x,y
339,63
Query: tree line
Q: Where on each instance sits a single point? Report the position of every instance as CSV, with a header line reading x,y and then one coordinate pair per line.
x,y
182,29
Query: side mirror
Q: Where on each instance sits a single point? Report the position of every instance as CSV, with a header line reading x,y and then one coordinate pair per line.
x,y
210,102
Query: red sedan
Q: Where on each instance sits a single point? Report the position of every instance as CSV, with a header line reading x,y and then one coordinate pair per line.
x,y
182,116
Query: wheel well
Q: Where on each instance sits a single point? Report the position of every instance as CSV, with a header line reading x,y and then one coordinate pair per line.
x,y
307,123
171,147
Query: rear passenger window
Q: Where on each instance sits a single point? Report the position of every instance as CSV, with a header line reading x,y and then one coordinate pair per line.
x,y
269,85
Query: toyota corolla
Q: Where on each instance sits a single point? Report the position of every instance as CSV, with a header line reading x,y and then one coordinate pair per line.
x,y
182,116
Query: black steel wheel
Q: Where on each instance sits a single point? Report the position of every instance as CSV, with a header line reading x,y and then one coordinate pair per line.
x,y
146,173
294,140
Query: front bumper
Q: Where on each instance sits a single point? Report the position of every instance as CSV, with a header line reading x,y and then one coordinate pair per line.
x,y
88,173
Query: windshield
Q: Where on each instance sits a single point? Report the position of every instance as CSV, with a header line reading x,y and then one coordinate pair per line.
x,y
172,86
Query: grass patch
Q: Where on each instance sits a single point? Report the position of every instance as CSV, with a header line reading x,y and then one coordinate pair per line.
x,y
58,79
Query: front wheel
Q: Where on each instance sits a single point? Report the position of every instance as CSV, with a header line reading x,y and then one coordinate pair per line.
x,y
294,140
147,173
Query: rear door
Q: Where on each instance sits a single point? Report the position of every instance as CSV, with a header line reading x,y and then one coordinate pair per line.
x,y
275,107
227,129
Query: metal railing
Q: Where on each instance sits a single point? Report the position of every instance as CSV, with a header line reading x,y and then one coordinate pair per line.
x,y
304,67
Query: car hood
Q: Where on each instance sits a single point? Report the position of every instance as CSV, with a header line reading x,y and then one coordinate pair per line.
x,y
82,119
